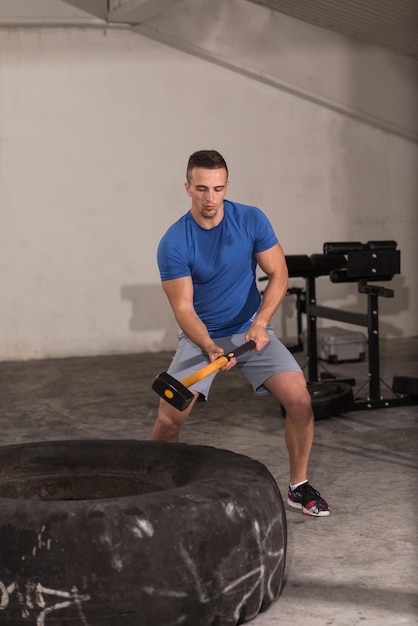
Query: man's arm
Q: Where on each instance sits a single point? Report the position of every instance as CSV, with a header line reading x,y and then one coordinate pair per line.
x,y
179,292
273,263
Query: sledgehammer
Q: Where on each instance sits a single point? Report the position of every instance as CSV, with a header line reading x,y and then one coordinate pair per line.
x,y
176,392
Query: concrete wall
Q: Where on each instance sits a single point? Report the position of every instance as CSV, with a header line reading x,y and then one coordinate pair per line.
x,y
364,82
95,130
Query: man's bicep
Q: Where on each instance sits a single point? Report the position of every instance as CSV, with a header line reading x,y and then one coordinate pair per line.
x,y
272,261
179,292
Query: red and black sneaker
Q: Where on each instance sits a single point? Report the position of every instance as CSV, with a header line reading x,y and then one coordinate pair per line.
x,y
308,500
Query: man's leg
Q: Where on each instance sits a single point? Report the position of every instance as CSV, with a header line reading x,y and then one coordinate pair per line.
x,y
188,359
169,421
290,389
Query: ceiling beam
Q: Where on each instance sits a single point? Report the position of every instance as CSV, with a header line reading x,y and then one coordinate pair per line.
x,y
137,11
98,8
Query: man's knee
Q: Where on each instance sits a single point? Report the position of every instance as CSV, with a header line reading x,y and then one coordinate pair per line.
x,y
298,402
165,429
166,422
170,420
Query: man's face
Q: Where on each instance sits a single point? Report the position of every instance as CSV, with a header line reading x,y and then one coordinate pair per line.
x,y
207,189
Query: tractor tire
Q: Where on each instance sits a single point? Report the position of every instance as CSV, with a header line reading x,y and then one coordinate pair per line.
x,y
136,533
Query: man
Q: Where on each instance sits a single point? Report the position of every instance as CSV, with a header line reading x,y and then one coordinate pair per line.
x,y
207,262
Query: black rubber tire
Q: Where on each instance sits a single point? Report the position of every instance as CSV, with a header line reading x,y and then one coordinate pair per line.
x,y
331,398
134,533
405,385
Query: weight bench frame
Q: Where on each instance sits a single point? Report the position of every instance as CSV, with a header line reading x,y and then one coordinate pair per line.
x,y
350,262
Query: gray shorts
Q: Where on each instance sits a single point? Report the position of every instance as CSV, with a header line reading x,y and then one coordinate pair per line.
x,y
275,358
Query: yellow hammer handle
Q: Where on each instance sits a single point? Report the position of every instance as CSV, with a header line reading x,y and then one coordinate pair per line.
x,y
217,364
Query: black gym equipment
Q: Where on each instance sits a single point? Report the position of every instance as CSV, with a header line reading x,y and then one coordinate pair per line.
x,y
176,392
349,262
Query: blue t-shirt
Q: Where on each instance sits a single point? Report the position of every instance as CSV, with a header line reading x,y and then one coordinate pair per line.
x,y
221,262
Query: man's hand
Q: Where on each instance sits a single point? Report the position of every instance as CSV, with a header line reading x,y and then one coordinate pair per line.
x,y
258,333
215,351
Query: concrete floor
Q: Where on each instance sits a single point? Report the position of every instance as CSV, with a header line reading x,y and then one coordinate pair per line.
x,y
359,565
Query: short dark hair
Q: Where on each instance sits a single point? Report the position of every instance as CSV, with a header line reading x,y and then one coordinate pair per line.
x,y
208,159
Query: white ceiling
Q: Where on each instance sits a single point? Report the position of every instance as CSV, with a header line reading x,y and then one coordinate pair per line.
x,y
391,24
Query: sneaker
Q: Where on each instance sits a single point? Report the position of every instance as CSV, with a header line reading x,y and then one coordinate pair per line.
x,y
308,500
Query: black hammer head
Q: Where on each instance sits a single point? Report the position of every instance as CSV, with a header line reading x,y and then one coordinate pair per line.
x,y
172,391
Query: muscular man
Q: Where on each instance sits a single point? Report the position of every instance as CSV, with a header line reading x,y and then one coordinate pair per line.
x,y
207,261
